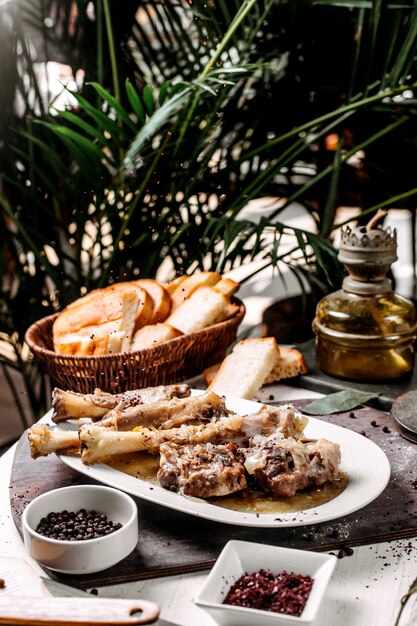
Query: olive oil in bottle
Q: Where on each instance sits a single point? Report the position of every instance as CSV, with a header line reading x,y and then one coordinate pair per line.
x,y
365,331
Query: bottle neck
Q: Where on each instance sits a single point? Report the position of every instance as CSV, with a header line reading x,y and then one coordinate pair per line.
x,y
367,288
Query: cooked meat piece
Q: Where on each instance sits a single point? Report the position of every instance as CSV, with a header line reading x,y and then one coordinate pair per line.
x,y
279,467
202,471
324,461
270,420
284,466
73,405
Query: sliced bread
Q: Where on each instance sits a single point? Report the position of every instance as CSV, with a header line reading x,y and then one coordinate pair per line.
x,y
104,323
149,336
190,284
291,363
174,284
160,297
243,371
203,308
92,340
81,344
227,286
104,305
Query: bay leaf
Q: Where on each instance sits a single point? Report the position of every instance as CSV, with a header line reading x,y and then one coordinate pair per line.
x,y
337,402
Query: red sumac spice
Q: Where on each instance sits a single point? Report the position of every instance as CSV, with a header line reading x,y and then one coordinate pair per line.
x,y
281,593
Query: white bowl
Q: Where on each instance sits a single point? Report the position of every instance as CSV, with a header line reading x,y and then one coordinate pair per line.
x,y
239,557
88,555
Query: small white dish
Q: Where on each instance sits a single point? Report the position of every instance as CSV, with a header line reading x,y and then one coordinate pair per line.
x,y
88,555
239,557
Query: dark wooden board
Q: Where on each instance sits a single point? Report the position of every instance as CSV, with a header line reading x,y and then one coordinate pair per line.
x,y
172,543
385,391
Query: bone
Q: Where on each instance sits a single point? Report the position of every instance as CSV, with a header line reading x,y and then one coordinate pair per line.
x,y
166,413
72,405
43,441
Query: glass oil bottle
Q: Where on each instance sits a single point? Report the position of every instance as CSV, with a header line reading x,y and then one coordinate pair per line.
x,y
365,331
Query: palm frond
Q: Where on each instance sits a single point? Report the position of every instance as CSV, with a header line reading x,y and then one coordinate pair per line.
x,y
186,112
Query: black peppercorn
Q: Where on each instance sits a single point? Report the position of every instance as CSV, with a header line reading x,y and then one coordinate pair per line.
x,y
71,526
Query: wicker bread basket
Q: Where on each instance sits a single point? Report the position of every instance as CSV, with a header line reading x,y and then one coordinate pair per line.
x,y
165,363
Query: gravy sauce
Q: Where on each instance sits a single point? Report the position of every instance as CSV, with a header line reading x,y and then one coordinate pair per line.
x,y
145,466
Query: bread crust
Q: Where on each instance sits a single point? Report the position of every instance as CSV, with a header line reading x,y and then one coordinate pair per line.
x,y
101,306
290,364
203,308
190,284
91,340
174,284
103,321
228,286
160,297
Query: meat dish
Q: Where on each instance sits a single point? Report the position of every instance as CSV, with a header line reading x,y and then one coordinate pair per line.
x,y
205,450
279,466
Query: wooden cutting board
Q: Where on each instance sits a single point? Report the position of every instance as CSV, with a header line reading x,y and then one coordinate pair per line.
x,y
171,542
25,601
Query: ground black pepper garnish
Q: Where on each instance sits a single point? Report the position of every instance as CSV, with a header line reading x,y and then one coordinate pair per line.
x,y
71,526
280,593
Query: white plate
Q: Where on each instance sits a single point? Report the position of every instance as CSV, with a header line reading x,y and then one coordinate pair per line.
x,y
364,462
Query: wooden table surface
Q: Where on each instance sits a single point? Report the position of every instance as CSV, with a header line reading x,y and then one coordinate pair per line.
x,y
365,590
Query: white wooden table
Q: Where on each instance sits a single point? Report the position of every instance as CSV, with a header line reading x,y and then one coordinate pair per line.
x,y
365,590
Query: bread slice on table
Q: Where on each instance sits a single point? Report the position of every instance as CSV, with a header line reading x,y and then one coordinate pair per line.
x,y
103,322
203,308
209,374
291,363
149,336
190,284
243,371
